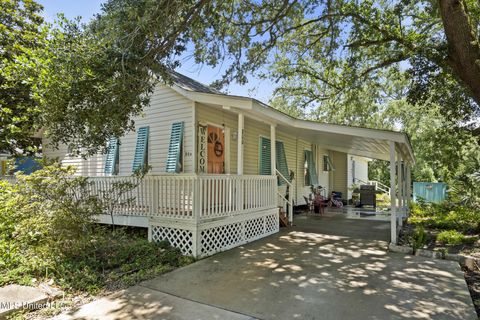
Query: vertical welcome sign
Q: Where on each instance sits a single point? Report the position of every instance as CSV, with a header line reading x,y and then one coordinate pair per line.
x,y
202,148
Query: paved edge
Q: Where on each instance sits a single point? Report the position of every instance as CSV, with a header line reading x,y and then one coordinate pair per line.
x,y
119,305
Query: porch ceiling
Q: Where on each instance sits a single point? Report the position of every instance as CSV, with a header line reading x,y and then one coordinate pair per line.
x,y
352,144
371,143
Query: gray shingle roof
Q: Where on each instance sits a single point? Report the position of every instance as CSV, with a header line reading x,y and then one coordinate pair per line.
x,y
189,84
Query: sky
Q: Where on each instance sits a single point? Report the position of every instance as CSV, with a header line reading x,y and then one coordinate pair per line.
x,y
86,9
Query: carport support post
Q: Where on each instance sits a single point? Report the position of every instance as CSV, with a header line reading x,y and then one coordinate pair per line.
x,y
400,188
405,180
393,200
409,187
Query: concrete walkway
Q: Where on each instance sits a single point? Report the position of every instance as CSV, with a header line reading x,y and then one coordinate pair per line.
x,y
324,268
139,302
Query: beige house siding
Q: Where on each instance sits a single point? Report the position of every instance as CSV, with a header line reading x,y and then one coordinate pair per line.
x,y
93,166
166,107
339,182
252,132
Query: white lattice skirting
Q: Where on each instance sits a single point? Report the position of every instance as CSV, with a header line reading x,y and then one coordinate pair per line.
x,y
211,237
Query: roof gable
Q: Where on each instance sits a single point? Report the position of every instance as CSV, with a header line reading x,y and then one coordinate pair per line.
x,y
189,84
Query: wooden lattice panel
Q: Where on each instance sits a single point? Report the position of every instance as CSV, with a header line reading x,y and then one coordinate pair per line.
x,y
254,228
220,238
271,223
229,235
179,238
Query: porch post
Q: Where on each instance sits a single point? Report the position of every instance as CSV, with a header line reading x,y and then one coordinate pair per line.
x,y
241,120
400,187
393,200
405,179
409,185
196,208
273,152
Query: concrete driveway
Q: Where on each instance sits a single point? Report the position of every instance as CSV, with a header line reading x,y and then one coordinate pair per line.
x,y
324,268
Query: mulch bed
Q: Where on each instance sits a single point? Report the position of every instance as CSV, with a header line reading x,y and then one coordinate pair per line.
x,y
473,281
471,249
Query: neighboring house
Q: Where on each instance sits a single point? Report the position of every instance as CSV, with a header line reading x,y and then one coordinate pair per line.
x,y
216,179
357,172
26,165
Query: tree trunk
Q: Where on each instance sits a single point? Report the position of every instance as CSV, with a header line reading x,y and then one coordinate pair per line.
x,y
463,47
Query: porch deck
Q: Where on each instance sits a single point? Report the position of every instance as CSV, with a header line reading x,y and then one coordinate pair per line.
x,y
199,214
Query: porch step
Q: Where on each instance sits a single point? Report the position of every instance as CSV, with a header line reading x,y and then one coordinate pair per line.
x,y
283,218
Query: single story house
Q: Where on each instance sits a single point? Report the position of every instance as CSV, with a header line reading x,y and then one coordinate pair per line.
x,y
217,180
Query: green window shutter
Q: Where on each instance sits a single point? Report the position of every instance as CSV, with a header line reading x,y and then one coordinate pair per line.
x,y
265,165
174,157
141,149
112,156
327,164
281,161
330,164
312,169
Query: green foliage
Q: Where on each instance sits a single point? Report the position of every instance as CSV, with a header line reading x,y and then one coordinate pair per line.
x,y
446,216
444,152
115,260
379,170
21,35
383,199
466,190
380,64
419,238
42,217
83,84
453,237
374,64
47,228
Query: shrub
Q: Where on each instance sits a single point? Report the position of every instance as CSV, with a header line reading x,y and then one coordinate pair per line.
x,y
383,199
42,217
453,237
47,232
446,216
419,238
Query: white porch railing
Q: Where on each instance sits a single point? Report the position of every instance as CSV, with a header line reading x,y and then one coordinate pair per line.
x,y
287,204
224,195
199,214
188,196
378,185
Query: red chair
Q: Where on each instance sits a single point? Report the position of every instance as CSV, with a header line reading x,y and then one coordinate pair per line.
x,y
319,201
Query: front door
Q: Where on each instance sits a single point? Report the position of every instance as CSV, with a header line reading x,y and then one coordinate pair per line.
x,y
216,150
